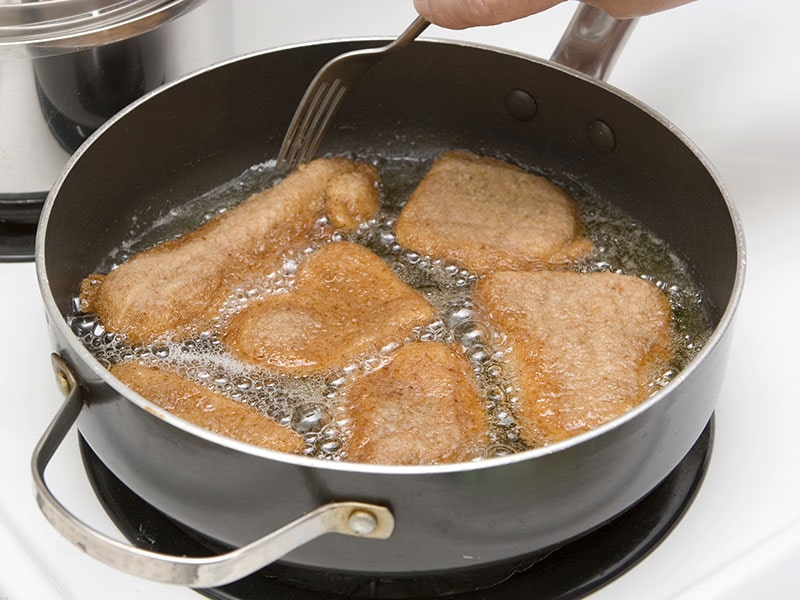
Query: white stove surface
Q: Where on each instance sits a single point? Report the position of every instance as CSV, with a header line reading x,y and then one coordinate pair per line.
x,y
726,73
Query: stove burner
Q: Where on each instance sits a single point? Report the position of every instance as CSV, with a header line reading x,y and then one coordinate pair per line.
x,y
573,570
19,214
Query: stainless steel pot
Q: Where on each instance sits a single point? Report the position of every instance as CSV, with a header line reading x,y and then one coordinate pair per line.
x,y
66,66
167,149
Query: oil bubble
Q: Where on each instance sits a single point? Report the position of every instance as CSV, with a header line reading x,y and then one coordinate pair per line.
x,y
387,238
494,370
242,383
503,418
495,394
334,381
478,354
328,443
309,419
498,450
471,333
460,315
83,325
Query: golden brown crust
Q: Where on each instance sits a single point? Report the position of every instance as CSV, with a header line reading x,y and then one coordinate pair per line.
x,y
584,347
88,290
206,408
348,202
487,215
345,302
183,282
421,408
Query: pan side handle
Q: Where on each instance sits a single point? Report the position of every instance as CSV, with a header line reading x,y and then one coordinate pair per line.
x,y
349,518
592,41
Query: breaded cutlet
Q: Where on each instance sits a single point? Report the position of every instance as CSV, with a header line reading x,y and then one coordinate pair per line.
x,y
346,301
206,408
182,283
584,348
421,408
487,215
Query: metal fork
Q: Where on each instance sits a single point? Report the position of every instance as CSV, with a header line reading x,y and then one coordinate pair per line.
x,y
325,93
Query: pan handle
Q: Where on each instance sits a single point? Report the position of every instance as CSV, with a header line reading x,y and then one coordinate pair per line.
x,y
592,41
348,518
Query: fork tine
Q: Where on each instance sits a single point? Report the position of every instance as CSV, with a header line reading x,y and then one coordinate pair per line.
x,y
322,117
324,95
310,121
311,125
299,125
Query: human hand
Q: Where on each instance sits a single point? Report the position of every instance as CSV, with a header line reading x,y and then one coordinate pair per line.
x,y
460,14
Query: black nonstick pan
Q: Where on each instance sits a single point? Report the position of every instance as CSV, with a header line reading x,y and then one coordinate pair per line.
x,y
194,135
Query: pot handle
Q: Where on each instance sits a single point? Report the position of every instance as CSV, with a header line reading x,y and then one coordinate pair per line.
x,y
349,518
592,41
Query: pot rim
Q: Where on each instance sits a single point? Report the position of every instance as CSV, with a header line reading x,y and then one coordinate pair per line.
x,y
55,26
105,375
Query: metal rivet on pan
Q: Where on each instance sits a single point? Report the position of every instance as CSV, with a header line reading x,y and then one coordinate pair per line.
x,y
63,383
601,136
521,105
362,522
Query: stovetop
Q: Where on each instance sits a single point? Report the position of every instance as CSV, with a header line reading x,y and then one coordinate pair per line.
x,y
725,72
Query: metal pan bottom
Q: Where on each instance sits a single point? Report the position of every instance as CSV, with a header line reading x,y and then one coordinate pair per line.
x,y
573,570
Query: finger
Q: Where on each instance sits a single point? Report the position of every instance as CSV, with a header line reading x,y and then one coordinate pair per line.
x,y
625,9
460,14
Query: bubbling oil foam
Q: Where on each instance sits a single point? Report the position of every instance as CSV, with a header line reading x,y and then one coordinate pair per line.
x,y
310,404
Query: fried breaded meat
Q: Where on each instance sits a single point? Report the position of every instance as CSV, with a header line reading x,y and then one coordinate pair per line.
x,y
584,348
346,301
201,406
488,215
178,284
421,408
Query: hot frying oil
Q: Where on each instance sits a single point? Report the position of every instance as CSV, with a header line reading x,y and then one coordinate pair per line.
x,y
310,404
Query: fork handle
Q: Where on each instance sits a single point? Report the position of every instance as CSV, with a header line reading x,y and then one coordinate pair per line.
x,y
411,32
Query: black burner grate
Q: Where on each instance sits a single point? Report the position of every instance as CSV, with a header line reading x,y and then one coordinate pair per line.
x,y
19,214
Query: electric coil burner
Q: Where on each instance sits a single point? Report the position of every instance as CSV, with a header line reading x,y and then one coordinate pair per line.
x,y
573,570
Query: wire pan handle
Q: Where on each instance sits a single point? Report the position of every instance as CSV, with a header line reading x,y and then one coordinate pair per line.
x,y
348,518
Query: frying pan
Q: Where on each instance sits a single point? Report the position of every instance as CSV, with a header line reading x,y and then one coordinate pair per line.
x,y
191,136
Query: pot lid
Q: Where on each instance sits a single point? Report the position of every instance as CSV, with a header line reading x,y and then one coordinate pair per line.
x,y
43,27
